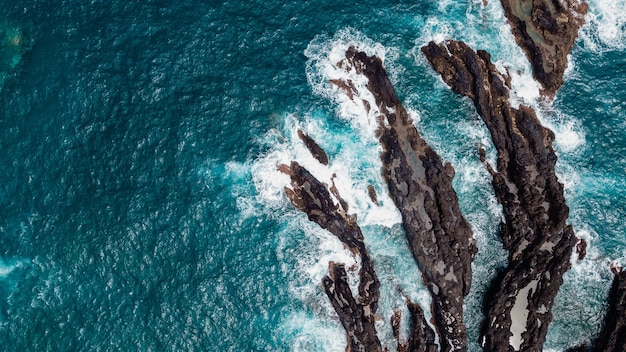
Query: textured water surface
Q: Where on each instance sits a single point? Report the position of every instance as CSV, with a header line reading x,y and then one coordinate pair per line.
x,y
140,208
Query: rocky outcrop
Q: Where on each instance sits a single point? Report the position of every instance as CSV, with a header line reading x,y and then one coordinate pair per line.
x,y
357,315
420,185
317,151
535,232
612,338
421,337
371,192
546,31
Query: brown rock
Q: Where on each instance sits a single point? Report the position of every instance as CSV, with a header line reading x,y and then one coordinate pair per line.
x,y
581,248
356,314
420,185
535,232
372,193
317,151
546,31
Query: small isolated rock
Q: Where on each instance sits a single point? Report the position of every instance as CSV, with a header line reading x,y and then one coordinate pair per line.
x,y
371,191
581,248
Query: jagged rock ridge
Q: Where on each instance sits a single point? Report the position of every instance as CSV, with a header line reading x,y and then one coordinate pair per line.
x,y
420,185
535,231
356,315
546,31
314,148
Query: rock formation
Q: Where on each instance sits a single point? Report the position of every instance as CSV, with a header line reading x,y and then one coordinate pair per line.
x,y
356,315
612,338
421,337
546,31
420,185
371,192
535,231
317,151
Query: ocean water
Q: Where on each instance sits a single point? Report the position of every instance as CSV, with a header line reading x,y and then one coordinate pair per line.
x,y
140,206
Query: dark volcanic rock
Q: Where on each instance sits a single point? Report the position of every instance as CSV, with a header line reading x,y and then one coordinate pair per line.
x,y
421,337
546,30
420,185
371,192
317,151
612,338
535,232
581,248
356,315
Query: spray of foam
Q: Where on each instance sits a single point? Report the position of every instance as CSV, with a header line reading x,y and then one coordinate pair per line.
x,y
6,268
309,333
355,163
325,65
605,27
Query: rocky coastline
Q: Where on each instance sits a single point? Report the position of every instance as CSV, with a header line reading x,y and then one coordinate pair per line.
x,y
419,183
535,232
357,315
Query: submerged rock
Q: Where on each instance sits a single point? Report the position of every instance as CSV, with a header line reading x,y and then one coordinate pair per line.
x,y
419,183
535,232
546,31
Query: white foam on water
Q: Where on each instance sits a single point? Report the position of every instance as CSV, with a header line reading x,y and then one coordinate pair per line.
x,y
355,164
6,269
326,55
312,334
8,266
605,25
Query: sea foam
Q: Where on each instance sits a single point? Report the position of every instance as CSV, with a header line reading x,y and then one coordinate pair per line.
x,y
605,27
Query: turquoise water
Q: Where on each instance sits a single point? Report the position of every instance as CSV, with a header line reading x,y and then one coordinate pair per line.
x,y
140,208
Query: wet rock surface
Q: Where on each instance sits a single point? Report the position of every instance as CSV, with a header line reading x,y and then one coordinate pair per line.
x,y
317,151
439,237
535,232
612,338
357,315
546,31
421,337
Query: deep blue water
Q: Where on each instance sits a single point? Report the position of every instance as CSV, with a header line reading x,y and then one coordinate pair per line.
x,y
140,208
